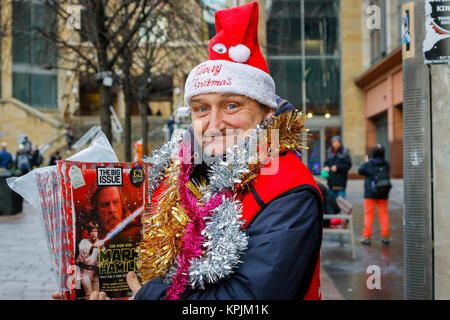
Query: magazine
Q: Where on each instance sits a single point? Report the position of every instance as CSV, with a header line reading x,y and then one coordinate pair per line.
x,y
103,203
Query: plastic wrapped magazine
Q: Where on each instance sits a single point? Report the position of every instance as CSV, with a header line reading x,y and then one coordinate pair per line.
x,y
44,188
102,205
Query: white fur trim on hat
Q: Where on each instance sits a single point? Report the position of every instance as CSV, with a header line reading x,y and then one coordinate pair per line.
x,y
221,76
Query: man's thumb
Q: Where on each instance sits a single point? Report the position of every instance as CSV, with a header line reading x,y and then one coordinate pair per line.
x,y
133,282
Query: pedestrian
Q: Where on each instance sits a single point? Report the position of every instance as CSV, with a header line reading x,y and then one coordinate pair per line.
x,y
23,160
54,157
330,205
376,192
170,126
36,156
26,144
6,160
337,165
261,232
69,137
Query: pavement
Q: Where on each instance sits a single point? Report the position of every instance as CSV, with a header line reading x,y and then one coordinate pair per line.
x,y
26,271
351,277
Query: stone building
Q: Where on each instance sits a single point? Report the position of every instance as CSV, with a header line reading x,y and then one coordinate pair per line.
x,y
316,50
42,92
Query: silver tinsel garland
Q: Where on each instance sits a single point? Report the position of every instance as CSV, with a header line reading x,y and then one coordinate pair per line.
x,y
225,242
225,239
159,162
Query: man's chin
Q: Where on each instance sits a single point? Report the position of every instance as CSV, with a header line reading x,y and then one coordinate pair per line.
x,y
214,150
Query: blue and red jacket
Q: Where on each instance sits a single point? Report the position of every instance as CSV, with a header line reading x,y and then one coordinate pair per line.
x,y
284,223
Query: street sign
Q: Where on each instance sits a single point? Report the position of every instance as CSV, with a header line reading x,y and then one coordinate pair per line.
x,y
436,45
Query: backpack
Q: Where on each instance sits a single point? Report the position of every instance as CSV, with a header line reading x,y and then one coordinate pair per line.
x,y
23,163
381,182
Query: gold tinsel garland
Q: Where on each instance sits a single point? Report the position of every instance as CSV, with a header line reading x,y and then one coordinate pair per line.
x,y
291,136
163,228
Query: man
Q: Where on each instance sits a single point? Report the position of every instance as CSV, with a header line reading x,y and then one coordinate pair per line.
x,y
87,259
36,156
337,164
108,205
6,159
226,228
26,144
54,158
69,137
23,160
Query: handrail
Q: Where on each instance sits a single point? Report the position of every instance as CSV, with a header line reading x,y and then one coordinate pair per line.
x,y
32,111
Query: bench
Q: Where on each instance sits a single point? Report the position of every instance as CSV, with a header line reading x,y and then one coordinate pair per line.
x,y
345,214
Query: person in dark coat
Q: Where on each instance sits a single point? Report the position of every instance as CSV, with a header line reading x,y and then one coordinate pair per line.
x,y
54,157
374,198
281,211
337,164
36,156
330,205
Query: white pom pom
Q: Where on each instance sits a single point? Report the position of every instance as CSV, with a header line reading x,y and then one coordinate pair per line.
x,y
239,53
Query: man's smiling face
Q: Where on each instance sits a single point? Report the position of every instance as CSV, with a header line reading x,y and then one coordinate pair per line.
x,y
221,120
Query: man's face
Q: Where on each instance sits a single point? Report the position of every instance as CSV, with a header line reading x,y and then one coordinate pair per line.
x,y
93,235
109,207
336,144
221,120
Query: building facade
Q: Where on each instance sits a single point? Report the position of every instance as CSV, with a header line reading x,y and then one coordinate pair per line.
x,y
316,49
42,92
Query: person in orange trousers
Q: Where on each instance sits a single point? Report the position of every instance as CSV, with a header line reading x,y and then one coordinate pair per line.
x,y
376,191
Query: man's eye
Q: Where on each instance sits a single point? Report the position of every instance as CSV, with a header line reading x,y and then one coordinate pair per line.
x,y
232,106
201,109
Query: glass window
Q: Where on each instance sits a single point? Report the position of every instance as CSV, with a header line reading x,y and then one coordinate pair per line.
x,y
321,27
43,51
322,78
378,41
287,74
314,152
21,87
21,32
211,6
284,28
34,56
43,90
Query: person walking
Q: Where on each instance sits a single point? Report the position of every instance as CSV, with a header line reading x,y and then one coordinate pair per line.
x,y
36,157
6,160
376,190
69,137
23,160
337,164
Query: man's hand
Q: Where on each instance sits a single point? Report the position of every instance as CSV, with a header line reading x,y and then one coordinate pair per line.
x,y
334,168
133,283
56,296
99,244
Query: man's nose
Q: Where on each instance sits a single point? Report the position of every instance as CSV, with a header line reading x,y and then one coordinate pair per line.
x,y
216,119
111,207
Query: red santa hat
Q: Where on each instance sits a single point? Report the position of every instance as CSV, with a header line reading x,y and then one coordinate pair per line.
x,y
235,63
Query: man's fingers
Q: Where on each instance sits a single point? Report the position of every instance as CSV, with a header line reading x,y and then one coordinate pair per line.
x,y
56,296
102,296
133,282
94,295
